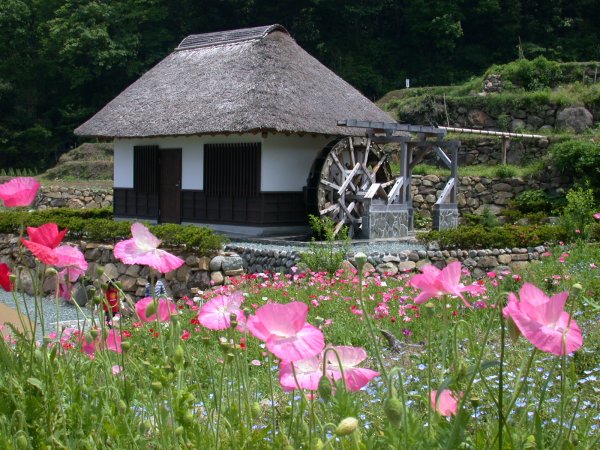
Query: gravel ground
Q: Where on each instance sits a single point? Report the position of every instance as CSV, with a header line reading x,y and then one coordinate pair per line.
x,y
68,314
369,247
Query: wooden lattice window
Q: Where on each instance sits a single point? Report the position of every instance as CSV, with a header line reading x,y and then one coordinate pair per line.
x,y
145,169
232,170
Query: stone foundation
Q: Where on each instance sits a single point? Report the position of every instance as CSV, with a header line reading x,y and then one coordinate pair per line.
x,y
445,216
385,221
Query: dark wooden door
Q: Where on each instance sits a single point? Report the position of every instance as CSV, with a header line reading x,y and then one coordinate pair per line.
x,y
170,185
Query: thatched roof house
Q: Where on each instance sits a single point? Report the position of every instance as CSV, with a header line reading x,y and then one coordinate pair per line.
x,y
239,81
257,84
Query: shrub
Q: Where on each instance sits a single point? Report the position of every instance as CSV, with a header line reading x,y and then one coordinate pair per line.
x,y
98,225
531,75
326,256
504,171
507,236
578,214
532,201
580,159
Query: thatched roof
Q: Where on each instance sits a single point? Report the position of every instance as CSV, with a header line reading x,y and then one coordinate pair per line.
x,y
250,80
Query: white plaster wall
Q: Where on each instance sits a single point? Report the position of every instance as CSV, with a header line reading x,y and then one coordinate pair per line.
x,y
286,160
123,165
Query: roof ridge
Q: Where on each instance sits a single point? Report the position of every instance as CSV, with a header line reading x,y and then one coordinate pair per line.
x,y
228,37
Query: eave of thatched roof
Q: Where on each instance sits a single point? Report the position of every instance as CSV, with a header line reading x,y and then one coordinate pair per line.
x,y
240,81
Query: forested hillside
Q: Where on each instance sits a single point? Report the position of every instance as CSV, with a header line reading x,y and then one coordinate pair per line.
x,y
61,60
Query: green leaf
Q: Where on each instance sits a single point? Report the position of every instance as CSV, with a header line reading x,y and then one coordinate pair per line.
x,y
36,383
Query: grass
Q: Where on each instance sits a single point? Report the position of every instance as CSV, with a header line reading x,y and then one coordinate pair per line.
x,y
488,171
184,385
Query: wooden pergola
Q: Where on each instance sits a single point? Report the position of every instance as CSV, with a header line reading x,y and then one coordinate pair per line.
x,y
377,194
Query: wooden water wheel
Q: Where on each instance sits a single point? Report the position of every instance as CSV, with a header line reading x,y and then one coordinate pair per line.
x,y
349,174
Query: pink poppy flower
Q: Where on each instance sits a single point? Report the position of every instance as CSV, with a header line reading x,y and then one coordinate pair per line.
x,y
597,216
350,357
88,346
117,369
113,341
216,313
72,260
285,331
308,373
5,278
434,282
43,240
446,404
20,191
142,249
543,321
165,308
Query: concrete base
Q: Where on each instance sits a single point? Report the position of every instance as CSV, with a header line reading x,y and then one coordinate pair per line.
x,y
445,216
386,221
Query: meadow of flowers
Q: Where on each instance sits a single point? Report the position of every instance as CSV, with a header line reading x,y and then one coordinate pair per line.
x,y
300,360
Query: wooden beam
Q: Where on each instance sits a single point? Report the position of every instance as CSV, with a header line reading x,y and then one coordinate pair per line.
x,y
367,150
372,190
335,207
444,194
348,210
330,184
379,164
348,180
338,227
394,191
443,157
352,156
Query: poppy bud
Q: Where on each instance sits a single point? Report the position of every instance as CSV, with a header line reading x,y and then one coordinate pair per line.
x,y
347,426
179,431
125,345
99,270
360,258
255,410
324,388
22,442
393,410
122,407
178,357
156,386
151,308
513,330
88,337
429,309
188,418
93,333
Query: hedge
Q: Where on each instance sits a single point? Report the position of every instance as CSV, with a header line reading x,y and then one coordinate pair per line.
x,y
98,225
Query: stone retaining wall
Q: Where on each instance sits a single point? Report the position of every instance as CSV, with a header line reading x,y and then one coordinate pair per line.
x,y
201,272
69,197
198,272
473,193
478,261
484,150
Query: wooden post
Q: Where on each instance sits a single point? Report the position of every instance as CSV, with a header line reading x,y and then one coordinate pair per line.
x,y
454,170
505,147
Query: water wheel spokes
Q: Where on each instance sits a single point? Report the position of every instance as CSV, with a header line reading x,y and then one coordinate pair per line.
x,y
354,171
